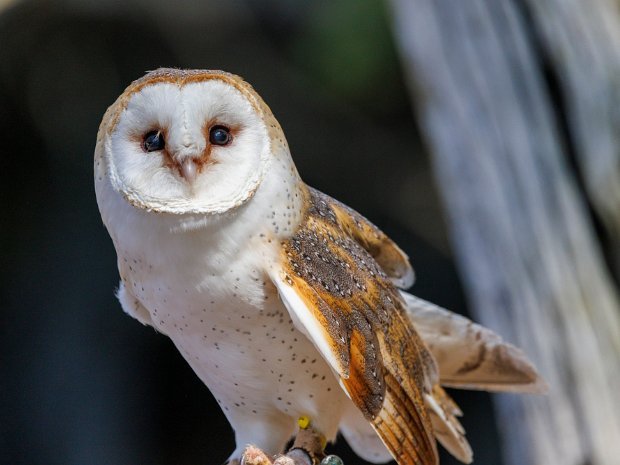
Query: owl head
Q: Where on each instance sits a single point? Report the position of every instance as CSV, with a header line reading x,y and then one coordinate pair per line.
x,y
196,142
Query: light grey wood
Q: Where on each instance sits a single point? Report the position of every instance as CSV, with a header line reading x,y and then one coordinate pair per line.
x,y
581,40
527,252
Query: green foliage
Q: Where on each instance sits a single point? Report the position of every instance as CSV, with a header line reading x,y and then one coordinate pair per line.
x,y
348,46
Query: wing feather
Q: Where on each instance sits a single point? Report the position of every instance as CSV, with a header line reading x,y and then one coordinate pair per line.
x,y
362,437
471,356
349,268
344,301
448,430
404,427
386,253
317,321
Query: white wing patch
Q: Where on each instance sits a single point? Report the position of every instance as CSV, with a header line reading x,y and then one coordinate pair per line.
x,y
306,323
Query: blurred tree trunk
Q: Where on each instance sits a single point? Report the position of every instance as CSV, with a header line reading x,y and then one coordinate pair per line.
x,y
519,103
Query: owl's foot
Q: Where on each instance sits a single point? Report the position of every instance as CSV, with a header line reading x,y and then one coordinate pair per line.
x,y
294,457
308,449
254,456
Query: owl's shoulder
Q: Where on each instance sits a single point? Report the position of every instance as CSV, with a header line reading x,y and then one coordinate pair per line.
x,y
339,226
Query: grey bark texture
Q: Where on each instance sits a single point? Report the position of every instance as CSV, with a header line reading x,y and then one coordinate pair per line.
x,y
511,95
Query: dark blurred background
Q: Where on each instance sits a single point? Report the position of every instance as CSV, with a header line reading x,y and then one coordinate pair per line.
x,y
82,383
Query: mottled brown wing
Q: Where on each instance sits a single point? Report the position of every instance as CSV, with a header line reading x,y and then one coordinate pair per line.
x,y
344,301
392,260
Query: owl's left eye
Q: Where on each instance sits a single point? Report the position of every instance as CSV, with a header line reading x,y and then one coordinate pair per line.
x,y
219,135
153,141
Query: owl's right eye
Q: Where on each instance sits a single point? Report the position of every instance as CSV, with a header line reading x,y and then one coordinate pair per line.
x,y
153,141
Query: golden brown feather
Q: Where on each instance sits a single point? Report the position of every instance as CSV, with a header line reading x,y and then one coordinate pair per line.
x,y
388,367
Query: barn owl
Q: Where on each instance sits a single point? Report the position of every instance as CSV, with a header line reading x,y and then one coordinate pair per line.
x,y
285,302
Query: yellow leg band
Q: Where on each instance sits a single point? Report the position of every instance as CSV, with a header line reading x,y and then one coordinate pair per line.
x,y
303,422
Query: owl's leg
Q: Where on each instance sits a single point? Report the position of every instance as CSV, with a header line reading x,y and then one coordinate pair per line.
x,y
270,434
308,449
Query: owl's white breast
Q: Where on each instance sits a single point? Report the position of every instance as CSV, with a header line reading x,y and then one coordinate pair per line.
x,y
204,281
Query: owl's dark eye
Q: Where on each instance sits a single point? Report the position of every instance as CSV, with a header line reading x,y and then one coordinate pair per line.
x,y
219,135
153,141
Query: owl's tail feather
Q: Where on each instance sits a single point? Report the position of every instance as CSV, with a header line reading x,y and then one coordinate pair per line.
x,y
402,427
470,356
362,438
446,427
448,430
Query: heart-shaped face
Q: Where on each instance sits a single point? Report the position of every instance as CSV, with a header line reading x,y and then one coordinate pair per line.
x,y
187,142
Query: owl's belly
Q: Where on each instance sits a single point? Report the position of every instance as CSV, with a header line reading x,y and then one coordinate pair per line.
x,y
250,355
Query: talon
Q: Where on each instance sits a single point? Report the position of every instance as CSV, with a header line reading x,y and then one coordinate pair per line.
x,y
253,456
286,460
300,456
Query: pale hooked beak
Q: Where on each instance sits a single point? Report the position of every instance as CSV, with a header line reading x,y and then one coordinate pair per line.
x,y
189,170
